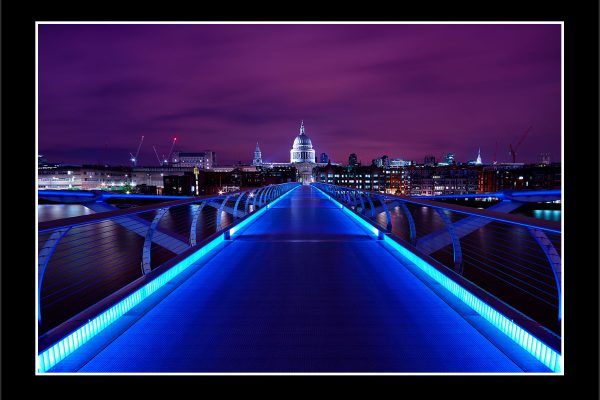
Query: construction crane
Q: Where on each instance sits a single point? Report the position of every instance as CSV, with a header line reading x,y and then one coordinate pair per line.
x,y
157,157
171,151
513,150
134,158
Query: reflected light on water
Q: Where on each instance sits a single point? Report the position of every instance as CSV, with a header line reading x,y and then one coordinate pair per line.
x,y
50,212
550,215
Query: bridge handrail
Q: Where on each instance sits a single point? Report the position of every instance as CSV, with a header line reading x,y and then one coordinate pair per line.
x,y
87,243
91,218
545,225
526,272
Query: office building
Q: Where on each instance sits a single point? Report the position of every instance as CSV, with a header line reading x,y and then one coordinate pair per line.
x,y
202,160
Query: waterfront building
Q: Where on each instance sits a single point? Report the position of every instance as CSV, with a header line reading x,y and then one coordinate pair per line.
x,y
203,159
444,180
510,176
382,161
399,162
358,177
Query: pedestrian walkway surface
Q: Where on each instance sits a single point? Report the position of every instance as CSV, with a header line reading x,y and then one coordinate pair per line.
x,y
303,288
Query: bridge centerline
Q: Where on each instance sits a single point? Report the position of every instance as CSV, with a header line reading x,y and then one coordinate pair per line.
x,y
307,287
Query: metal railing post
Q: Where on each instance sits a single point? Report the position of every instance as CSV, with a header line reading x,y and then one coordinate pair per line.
x,y
371,203
458,264
354,199
362,203
269,196
256,197
387,214
251,195
261,201
146,267
411,223
235,208
196,212
220,211
554,260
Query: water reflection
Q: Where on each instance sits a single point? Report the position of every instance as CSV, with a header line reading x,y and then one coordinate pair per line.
x,y
49,212
550,215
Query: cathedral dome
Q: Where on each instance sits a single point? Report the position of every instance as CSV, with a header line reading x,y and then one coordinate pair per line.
x,y
302,141
302,149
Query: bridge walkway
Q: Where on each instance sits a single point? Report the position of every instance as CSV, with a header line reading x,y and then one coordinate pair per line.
x,y
304,288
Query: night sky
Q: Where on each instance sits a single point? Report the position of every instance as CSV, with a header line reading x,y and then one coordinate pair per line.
x,y
401,90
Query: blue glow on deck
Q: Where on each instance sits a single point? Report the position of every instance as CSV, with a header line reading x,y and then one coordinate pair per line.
x,y
57,352
527,341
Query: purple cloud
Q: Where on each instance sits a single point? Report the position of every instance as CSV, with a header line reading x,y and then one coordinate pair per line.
x,y
400,90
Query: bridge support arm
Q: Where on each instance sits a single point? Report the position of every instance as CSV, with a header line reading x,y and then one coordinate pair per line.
x,y
262,196
411,224
458,263
554,260
196,212
220,211
387,213
237,202
269,195
251,195
371,203
257,194
146,268
362,203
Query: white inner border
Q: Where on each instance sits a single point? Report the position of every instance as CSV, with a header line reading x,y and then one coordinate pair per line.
x,y
562,91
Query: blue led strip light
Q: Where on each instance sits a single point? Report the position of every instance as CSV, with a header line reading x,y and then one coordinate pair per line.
x,y
57,352
545,354
345,209
61,349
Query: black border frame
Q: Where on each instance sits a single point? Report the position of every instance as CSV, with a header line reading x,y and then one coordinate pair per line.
x,y
17,233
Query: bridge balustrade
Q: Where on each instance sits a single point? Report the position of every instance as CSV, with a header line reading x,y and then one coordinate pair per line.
x,y
514,258
82,260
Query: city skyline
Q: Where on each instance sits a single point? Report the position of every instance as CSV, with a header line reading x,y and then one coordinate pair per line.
x,y
400,90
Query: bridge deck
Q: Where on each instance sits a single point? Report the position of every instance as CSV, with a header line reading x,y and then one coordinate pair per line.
x,y
304,288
